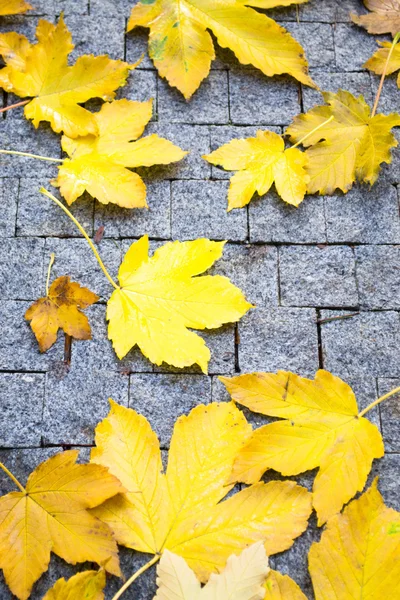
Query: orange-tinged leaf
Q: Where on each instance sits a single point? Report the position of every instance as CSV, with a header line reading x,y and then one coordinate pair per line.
x,y
161,297
282,587
88,585
182,49
384,18
13,7
358,555
58,90
351,146
261,161
181,510
97,164
377,62
52,516
61,309
321,428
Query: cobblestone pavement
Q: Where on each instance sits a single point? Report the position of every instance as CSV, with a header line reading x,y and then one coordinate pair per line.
x,y
333,256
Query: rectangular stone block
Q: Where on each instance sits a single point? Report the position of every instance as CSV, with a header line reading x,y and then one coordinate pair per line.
x,y
279,338
98,36
141,86
366,344
111,7
317,41
355,83
390,414
9,199
177,394
22,397
364,215
136,46
389,99
199,210
331,11
21,268
388,470
378,270
317,276
256,99
353,45
272,220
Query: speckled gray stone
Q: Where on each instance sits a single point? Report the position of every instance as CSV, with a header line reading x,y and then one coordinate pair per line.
x,y
272,220
8,198
364,215
366,344
111,7
355,83
389,99
317,41
140,86
199,210
331,11
256,99
388,470
177,394
21,267
390,414
279,338
354,46
21,410
317,276
99,36
378,276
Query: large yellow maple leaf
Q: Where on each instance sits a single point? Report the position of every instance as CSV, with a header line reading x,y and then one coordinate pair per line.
x,y
384,17
98,163
88,585
261,161
51,515
62,309
359,552
13,7
353,145
182,49
160,297
181,510
322,428
377,62
41,71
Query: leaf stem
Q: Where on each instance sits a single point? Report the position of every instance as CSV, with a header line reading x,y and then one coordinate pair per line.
x,y
29,155
12,477
380,88
22,103
52,257
83,232
135,576
381,399
303,139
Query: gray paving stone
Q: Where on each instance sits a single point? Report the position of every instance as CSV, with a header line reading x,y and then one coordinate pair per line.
x,y
21,267
21,462
388,471
56,7
389,101
22,406
111,7
102,35
141,86
256,99
272,220
154,221
209,104
223,134
76,259
253,269
177,394
367,344
354,46
279,338
364,215
317,41
378,276
136,46
390,414
331,11
9,198
39,216
77,399
356,83
317,276
199,210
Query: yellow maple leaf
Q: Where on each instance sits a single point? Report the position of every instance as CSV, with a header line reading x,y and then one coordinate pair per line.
x,y
98,164
358,555
13,7
385,17
322,428
41,71
353,145
261,161
282,587
160,297
88,585
61,309
182,49
242,578
181,510
377,62
51,515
